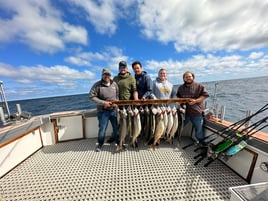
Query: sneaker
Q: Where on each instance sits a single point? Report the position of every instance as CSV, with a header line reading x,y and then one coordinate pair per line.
x,y
98,148
110,140
125,147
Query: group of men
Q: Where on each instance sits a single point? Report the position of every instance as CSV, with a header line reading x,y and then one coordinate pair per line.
x,y
124,86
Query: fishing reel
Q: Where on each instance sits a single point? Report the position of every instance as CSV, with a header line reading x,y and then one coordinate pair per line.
x,y
210,152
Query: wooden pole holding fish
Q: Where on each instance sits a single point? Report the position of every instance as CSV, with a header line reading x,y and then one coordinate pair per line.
x,y
151,101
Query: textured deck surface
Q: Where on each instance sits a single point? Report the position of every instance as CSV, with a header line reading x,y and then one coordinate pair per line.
x,y
74,171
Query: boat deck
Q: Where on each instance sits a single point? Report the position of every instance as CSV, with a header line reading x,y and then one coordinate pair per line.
x,y
74,171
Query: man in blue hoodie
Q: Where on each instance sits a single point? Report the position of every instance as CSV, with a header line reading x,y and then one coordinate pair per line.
x,y
143,81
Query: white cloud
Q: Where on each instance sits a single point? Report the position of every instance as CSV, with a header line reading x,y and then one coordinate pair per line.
x,y
256,55
38,25
50,75
210,67
207,25
109,57
101,14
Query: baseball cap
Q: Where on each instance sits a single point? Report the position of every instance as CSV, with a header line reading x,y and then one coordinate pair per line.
x,y
106,72
122,64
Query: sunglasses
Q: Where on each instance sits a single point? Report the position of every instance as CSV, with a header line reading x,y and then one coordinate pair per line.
x,y
106,74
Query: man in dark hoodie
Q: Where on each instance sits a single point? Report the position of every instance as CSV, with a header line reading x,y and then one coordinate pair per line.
x,y
102,93
143,80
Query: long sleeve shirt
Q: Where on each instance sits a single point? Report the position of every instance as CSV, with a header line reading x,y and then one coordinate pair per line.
x,y
194,90
163,89
144,85
102,92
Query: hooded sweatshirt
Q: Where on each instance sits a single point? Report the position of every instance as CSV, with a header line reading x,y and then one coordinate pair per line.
x,y
144,85
163,89
127,86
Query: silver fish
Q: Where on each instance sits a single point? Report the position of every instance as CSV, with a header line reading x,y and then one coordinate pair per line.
x,y
153,112
160,128
122,128
181,117
136,127
129,122
146,126
170,123
175,124
165,116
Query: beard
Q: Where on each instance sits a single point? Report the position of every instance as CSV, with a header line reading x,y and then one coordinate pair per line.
x,y
188,82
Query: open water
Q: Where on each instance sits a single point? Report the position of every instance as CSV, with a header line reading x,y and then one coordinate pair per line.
x,y
237,96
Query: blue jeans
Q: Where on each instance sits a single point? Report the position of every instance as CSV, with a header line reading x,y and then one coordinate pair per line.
x,y
197,122
104,116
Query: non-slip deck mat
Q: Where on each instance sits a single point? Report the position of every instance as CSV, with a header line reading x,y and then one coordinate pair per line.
x,y
74,171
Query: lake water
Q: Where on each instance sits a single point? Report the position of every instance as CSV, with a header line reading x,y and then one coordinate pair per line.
x,y
237,96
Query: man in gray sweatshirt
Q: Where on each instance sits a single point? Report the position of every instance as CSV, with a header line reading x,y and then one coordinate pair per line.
x,y
102,93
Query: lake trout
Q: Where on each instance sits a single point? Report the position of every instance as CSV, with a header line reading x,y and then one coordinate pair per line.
x,y
136,127
146,126
175,124
160,128
153,112
130,115
170,123
122,128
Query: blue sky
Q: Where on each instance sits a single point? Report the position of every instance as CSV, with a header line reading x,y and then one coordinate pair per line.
x,y
53,48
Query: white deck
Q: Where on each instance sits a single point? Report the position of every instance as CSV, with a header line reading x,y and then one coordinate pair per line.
x,y
74,171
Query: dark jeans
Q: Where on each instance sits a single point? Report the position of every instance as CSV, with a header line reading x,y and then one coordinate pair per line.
x,y
104,117
197,122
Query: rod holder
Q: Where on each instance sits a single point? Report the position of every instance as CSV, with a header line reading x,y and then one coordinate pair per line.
x,y
18,108
222,113
2,115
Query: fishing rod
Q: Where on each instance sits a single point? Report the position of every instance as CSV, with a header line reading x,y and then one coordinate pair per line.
x,y
233,128
226,130
241,144
226,144
214,154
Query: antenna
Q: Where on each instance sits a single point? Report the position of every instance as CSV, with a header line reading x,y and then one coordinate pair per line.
x,y
3,98
215,96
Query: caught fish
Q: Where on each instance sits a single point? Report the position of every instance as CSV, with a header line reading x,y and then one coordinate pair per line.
x,y
146,125
181,117
153,112
175,124
122,128
136,127
165,117
141,112
170,123
160,128
130,115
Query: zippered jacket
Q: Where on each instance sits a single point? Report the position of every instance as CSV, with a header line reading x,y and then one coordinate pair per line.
x,y
144,85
